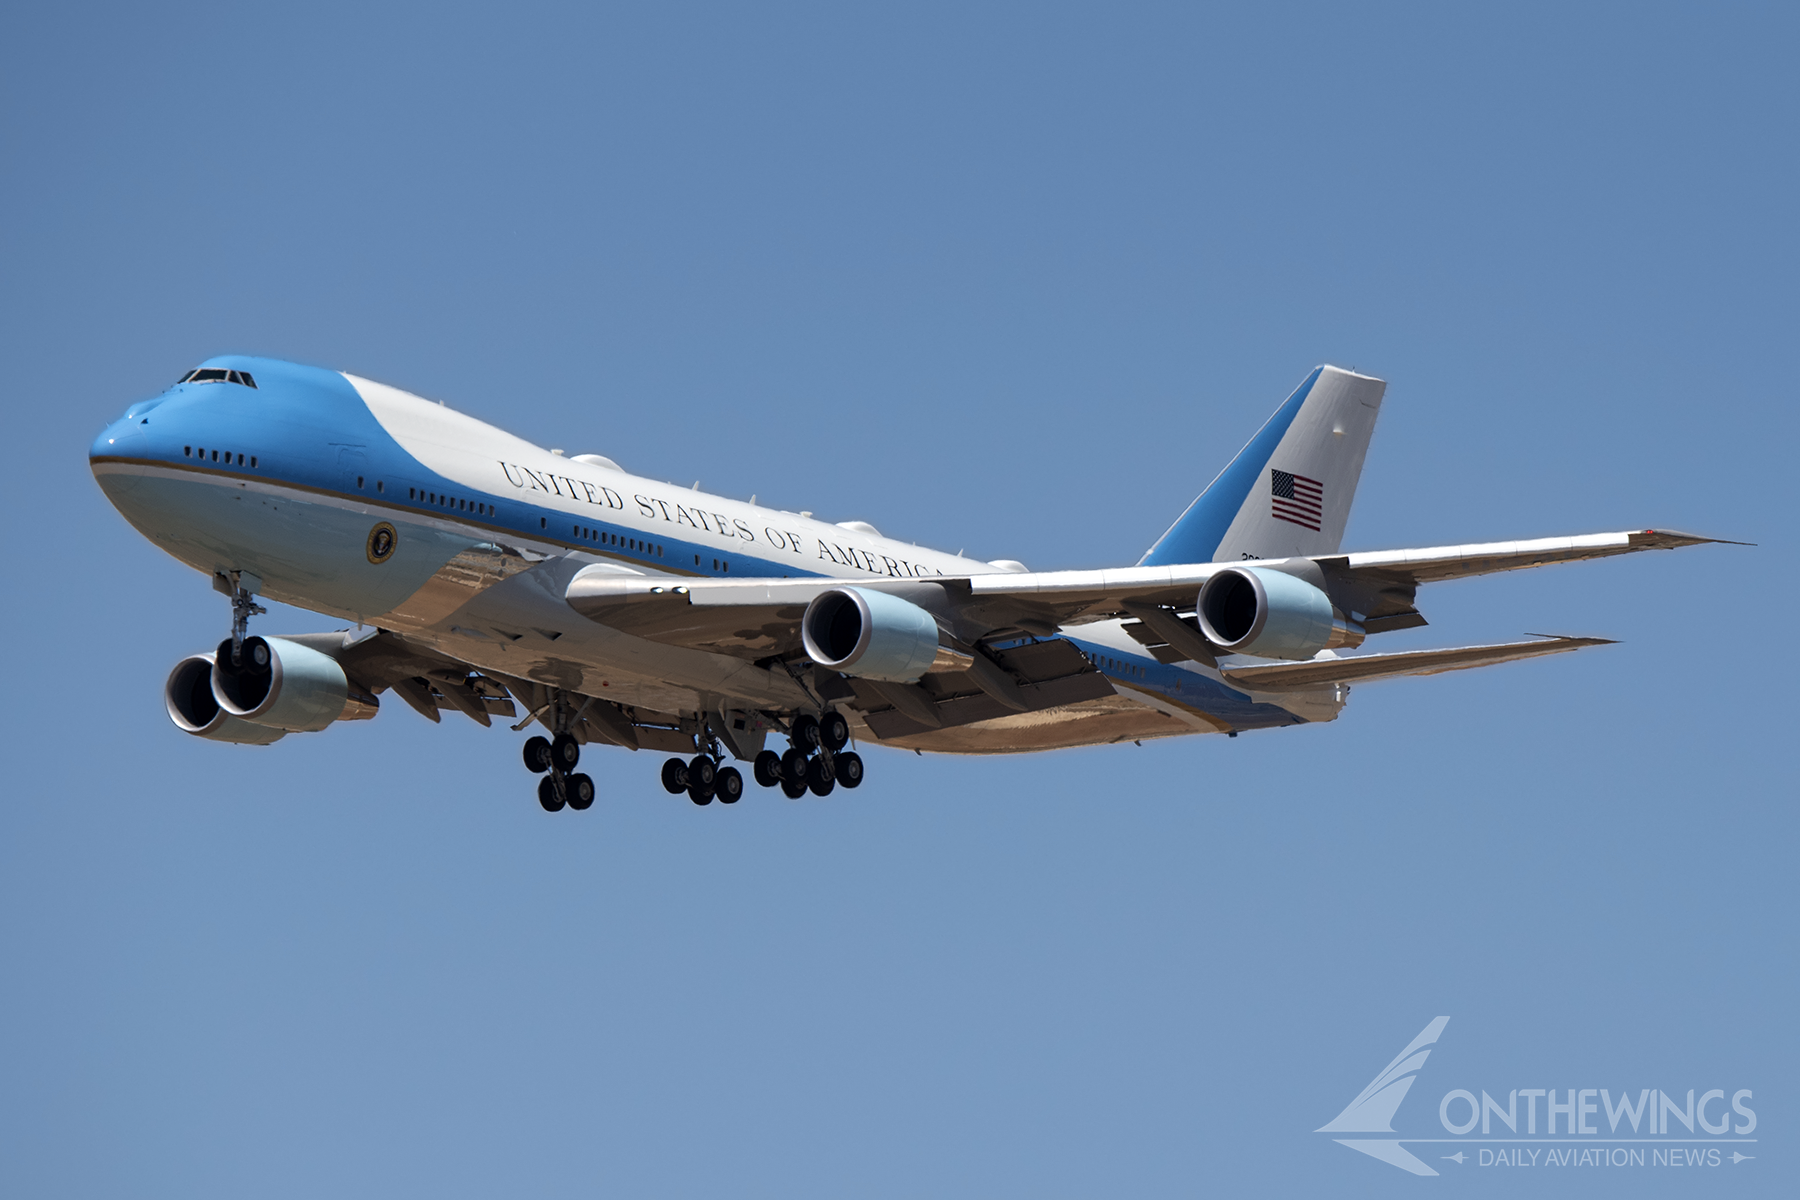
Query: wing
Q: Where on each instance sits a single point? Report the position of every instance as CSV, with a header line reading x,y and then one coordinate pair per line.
x,y
760,619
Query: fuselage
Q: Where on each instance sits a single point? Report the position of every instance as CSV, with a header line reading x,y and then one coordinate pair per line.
x,y
361,501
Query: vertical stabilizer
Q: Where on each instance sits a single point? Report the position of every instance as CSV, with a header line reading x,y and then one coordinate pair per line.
x,y
1288,492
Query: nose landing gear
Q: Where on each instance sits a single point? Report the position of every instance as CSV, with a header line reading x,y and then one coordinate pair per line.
x,y
241,587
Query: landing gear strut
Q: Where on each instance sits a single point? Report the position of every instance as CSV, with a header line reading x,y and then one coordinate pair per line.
x,y
243,607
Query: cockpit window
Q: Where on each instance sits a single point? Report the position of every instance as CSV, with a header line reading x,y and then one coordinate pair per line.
x,y
215,375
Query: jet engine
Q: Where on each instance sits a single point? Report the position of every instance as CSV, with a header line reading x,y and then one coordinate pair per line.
x,y
189,696
870,634
284,685
1270,614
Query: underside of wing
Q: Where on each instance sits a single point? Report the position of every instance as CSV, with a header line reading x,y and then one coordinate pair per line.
x,y
1281,677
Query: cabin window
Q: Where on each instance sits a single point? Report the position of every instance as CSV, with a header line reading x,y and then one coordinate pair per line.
x,y
253,460
240,460
187,452
379,486
359,481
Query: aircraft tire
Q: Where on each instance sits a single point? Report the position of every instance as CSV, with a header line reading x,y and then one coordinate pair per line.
x,y
820,778
767,769
834,731
700,795
728,785
537,755
548,796
850,769
674,777
804,733
793,766
565,752
793,789
581,792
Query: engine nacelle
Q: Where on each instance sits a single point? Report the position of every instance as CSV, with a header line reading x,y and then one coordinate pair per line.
x,y
870,634
194,710
1271,614
285,685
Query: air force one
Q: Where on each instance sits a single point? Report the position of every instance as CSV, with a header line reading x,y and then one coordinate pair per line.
x,y
491,577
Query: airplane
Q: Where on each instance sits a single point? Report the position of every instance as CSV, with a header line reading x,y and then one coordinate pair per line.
x,y
491,577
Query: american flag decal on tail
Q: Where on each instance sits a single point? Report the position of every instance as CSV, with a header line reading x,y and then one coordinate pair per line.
x,y
1296,499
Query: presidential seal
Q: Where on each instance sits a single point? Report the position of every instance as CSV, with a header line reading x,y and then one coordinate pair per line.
x,y
382,540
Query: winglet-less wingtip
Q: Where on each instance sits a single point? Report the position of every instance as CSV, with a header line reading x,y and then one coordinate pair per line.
x,y
1575,643
1669,539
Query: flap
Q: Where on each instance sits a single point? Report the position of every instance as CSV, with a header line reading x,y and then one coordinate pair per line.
x,y
1281,677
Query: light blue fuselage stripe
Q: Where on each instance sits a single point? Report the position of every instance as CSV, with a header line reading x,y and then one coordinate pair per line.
x,y
1195,537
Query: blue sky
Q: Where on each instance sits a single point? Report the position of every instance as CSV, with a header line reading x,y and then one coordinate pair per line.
x,y
1015,279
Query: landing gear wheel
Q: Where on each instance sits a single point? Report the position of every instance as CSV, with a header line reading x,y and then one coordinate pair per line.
x,y
549,795
804,733
793,766
793,789
581,792
834,731
767,769
702,774
849,768
674,776
537,755
820,778
728,785
565,752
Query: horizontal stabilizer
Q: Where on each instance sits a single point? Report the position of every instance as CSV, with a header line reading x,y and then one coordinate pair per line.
x,y
1285,677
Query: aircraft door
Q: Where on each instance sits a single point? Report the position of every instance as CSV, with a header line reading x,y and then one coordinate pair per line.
x,y
353,470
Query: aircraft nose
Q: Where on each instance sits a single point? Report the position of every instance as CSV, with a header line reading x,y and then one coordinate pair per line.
x,y
114,438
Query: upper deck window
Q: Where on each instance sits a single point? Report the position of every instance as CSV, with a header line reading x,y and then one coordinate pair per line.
x,y
217,375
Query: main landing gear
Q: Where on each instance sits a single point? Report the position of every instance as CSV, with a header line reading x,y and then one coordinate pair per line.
x,y
703,779
815,762
561,785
